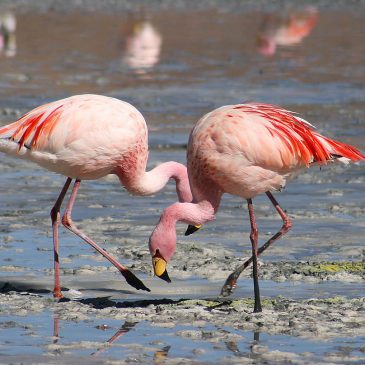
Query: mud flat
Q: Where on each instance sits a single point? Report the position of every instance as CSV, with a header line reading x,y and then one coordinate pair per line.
x,y
222,327
94,323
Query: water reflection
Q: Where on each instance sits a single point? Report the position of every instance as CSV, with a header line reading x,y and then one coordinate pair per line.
x,y
286,30
56,328
233,347
7,34
126,327
158,345
160,356
142,47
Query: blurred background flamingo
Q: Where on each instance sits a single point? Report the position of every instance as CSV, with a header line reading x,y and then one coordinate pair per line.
x,y
86,137
286,31
244,150
142,47
7,34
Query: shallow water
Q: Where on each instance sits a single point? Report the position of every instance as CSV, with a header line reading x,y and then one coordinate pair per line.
x,y
175,63
156,344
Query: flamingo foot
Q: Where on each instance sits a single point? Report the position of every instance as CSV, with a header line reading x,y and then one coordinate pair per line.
x,y
57,294
229,286
132,280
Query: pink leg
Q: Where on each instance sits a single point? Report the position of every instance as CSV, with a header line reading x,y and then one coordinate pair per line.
x,y
254,236
68,223
231,281
55,217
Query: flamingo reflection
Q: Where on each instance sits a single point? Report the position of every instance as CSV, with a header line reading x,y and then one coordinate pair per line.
x,y
287,31
142,47
233,347
126,327
56,327
7,34
160,355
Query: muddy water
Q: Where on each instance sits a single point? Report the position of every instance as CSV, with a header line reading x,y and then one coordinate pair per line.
x,y
175,64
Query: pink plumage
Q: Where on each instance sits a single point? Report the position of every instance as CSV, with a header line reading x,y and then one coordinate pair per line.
x,y
249,149
245,150
88,137
286,32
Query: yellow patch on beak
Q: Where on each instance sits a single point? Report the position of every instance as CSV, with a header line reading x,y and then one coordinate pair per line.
x,y
159,265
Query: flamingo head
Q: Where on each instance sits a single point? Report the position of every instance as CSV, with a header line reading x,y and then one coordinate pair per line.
x,y
162,245
266,45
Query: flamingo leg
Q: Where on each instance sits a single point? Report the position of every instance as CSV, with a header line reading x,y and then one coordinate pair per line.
x,y
68,223
231,281
254,236
55,217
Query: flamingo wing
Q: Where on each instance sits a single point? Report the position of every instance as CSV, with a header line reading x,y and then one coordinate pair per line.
x,y
33,129
300,137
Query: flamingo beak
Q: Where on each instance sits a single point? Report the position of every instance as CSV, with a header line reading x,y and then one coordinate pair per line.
x,y
159,267
191,229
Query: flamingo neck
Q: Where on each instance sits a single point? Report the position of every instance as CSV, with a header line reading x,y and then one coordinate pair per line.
x,y
163,238
190,213
141,182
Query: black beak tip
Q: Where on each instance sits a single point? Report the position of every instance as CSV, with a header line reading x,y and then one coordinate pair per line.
x,y
165,276
132,280
191,229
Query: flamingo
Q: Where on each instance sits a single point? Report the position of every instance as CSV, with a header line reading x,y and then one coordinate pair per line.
x,y
86,137
245,150
7,34
286,32
143,47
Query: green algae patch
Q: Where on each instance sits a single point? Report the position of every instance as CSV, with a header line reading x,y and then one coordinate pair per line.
x,y
208,303
335,267
234,304
320,269
250,302
332,301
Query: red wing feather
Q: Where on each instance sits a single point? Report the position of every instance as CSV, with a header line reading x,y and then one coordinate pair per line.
x,y
300,137
46,126
29,126
34,127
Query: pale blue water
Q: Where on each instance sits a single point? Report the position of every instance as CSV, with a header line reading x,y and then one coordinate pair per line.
x,y
37,333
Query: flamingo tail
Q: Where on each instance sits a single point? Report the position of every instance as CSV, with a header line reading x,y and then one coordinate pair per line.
x,y
7,144
30,130
342,152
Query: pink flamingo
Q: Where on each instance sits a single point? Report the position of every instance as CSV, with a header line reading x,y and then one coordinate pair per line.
x,y
286,32
143,47
87,137
245,150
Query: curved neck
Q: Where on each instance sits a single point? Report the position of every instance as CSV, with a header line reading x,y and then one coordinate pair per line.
x,y
150,182
163,237
190,213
